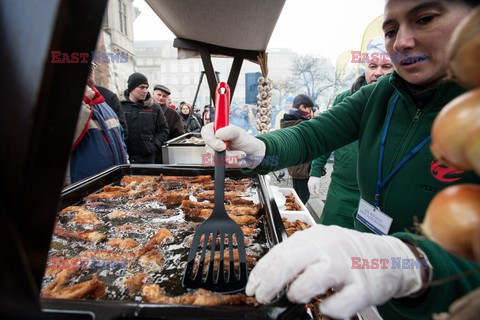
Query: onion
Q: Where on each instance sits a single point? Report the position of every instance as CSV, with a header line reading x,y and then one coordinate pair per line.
x,y
451,128
472,150
452,218
464,51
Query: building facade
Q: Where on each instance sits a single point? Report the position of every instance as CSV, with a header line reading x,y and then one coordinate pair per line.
x,y
116,38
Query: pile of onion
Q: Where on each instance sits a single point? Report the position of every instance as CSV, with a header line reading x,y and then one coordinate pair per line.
x,y
453,220
464,51
456,132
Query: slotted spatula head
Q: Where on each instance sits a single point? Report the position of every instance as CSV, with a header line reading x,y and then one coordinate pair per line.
x,y
217,258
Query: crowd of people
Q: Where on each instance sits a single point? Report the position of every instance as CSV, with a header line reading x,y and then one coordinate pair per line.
x,y
142,121
112,131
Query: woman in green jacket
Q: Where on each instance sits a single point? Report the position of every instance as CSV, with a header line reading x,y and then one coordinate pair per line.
x,y
397,177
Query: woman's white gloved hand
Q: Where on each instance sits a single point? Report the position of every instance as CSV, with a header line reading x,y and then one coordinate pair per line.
x,y
323,257
314,185
244,150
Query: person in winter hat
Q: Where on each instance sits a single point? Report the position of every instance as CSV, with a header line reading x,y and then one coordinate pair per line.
x,y
301,110
148,128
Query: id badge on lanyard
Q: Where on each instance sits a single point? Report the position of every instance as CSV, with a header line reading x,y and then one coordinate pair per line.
x,y
373,218
370,215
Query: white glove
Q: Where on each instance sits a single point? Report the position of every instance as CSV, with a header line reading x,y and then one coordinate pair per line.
x,y
244,150
314,185
322,257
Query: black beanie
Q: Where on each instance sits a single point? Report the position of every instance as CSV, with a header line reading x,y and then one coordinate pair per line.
x,y
302,99
135,80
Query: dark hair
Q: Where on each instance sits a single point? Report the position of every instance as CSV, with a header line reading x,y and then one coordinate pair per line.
x,y
302,99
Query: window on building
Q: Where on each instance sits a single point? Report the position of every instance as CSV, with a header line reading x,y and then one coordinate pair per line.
x,y
123,17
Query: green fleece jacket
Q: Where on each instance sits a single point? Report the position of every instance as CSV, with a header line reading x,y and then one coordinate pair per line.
x,y
407,195
343,194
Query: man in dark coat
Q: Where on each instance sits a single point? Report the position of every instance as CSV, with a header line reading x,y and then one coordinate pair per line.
x,y
160,96
147,126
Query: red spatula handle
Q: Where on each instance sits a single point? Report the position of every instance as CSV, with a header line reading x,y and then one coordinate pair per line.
x,y
222,106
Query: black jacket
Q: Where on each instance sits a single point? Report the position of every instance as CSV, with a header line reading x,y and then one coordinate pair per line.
x,y
194,125
112,100
147,128
174,122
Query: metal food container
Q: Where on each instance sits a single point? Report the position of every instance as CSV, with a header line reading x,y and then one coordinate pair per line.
x,y
182,150
271,227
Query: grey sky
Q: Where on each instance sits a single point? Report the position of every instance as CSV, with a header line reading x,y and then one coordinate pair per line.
x,y
305,26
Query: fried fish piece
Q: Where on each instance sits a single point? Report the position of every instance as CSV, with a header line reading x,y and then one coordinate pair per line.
x,y
159,238
249,231
172,197
116,193
152,293
241,201
292,227
90,236
109,188
107,255
290,203
130,228
86,218
82,215
209,195
173,185
205,213
117,214
152,260
232,186
196,204
135,282
123,244
126,180
195,179
92,289
233,209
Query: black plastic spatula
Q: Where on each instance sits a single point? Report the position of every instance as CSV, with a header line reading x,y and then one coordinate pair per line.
x,y
219,238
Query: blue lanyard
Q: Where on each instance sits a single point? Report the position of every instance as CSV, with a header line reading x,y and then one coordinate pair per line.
x,y
381,184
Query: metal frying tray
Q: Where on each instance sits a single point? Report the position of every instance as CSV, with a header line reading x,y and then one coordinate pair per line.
x,y
177,151
109,309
